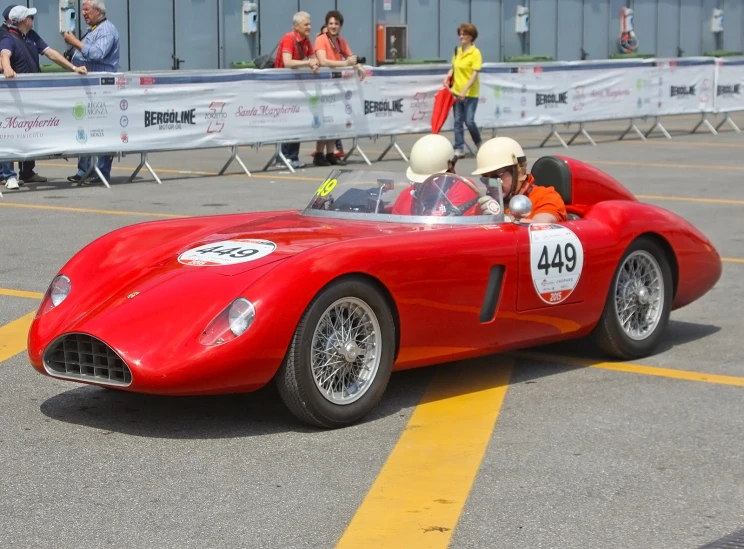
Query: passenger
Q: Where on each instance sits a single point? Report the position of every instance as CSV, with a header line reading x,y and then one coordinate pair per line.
x,y
433,154
502,157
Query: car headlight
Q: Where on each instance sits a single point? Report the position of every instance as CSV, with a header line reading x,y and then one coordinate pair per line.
x,y
57,292
230,324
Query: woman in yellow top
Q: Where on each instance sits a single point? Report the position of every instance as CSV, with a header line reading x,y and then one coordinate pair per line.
x,y
466,64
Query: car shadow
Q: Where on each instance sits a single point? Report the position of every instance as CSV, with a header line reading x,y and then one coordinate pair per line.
x,y
678,333
263,413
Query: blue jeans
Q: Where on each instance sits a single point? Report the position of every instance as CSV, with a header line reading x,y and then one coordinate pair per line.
x,y
291,151
465,112
6,171
104,164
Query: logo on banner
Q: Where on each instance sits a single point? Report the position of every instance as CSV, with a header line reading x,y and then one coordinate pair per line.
x,y
348,95
81,136
123,104
316,100
124,137
124,121
266,114
551,99
93,109
15,123
421,105
316,122
682,90
170,120
728,89
383,108
215,116
97,132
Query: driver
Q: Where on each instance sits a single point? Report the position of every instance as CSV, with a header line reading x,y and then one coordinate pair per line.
x,y
434,154
503,157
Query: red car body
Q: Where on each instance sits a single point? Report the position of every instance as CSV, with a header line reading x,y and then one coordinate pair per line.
x,y
130,291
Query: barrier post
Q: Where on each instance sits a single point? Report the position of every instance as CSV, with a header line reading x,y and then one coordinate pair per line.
x,y
234,156
280,155
704,121
355,147
730,123
635,129
657,124
393,143
553,132
582,131
144,163
93,167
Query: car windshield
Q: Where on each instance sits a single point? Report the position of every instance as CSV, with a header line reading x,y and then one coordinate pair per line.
x,y
391,196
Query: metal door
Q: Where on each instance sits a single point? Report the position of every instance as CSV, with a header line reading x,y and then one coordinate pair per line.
x,y
196,42
151,35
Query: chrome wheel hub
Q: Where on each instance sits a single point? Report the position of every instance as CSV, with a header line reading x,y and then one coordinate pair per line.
x,y
639,298
345,354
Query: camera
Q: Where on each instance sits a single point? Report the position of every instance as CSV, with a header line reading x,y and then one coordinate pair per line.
x,y
362,60
69,52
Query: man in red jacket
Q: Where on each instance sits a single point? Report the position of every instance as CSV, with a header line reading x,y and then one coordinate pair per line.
x,y
433,154
295,51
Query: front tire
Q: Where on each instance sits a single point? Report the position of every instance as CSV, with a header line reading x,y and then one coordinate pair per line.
x,y
638,304
341,356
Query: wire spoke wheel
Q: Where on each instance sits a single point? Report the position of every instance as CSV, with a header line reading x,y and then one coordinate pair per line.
x,y
345,353
639,295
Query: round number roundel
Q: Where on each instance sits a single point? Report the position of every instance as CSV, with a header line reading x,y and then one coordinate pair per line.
x,y
227,252
556,261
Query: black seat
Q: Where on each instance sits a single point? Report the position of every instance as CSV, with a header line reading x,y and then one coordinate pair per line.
x,y
550,171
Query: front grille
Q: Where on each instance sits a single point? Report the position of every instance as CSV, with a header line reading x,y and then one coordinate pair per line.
x,y
82,357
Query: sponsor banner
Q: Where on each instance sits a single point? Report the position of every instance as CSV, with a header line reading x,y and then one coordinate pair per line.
x,y
132,112
729,86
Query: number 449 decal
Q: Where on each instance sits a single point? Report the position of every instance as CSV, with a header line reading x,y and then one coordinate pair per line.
x,y
556,261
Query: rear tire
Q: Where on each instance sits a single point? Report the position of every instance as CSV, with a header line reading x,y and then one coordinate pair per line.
x,y
638,304
341,356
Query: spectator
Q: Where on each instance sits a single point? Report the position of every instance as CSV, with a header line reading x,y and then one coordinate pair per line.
x,y
295,51
20,47
333,51
97,52
339,144
466,65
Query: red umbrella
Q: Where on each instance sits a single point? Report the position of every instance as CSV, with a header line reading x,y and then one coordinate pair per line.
x,y
442,105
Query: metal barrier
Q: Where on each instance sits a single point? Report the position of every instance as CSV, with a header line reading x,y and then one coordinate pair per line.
x,y
144,113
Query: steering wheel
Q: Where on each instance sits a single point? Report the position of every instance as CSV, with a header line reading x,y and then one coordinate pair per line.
x,y
451,208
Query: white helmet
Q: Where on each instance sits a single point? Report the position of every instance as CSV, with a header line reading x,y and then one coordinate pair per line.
x,y
431,154
498,153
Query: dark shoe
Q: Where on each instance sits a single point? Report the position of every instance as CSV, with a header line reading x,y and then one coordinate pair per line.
x,y
318,160
331,159
74,178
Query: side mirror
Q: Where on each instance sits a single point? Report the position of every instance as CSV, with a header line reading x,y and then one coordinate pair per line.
x,y
520,206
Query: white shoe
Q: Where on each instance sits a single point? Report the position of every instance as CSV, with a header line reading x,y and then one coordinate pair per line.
x,y
12,183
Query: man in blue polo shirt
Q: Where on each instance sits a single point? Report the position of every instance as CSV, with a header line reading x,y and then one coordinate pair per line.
x,y
99,52
20,47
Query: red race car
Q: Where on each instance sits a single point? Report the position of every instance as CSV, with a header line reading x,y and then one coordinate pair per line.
x,y
328,301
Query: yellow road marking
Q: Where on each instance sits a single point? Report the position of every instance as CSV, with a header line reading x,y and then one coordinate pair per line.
x,y
706,167
636,369
732,260
87,210
416,500
13,336
20,293
691,199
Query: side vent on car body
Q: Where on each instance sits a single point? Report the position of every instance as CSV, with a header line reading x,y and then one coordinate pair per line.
x,y
493,291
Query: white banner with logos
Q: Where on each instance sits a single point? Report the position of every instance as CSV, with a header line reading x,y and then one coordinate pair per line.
x,y
66,114
729,85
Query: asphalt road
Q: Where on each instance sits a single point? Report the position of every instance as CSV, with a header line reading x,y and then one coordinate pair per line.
x,y
580,457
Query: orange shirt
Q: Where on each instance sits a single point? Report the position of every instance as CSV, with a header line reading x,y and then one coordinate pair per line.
x,y
340,52
544,200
